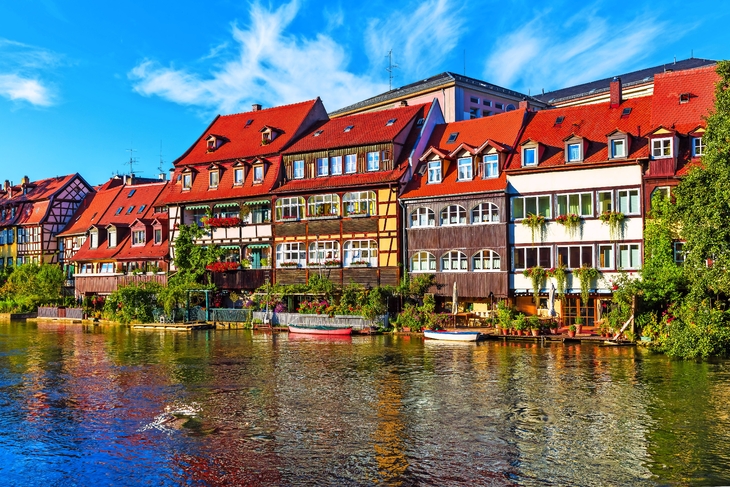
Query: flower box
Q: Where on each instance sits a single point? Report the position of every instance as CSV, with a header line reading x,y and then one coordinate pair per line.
x,y
358,265
358,215
288,265
227,222
223,266
323,217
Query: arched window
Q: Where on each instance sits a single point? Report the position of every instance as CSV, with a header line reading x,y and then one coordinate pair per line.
x,y
423,217
323,205
485,213
324,252
423,262
289,208
359,203
291,255
453,215
361,253
454,261
485,260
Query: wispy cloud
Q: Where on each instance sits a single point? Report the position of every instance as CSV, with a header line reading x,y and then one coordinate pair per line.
x,y
22,69
269,66
335,18
550,55
421,35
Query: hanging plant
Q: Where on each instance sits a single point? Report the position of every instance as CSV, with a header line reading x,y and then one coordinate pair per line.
x,y
571,223
536,224
537,275
561,278
615,222
586,275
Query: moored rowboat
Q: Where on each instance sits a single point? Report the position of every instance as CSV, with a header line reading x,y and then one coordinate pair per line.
x,y
320,330
454,336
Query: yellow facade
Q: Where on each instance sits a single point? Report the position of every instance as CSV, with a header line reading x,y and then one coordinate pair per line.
x,y
9,250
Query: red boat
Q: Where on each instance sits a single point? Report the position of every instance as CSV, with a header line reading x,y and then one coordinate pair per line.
x,y
320,330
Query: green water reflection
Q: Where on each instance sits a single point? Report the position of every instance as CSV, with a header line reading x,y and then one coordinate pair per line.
x,y
81,405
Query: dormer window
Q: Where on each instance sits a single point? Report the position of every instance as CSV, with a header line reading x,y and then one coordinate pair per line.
x,y
574,153
323,164
618,148
626,112
373,161
213,142
490,166
684,98
158,236
112,237
268,134
661,148
258,174
698,147
187,181
138,237
93,238
131,193
238,176
213,178
465,169
299,169
529,156
434,172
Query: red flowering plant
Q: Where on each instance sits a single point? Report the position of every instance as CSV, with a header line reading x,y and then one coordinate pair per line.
x,y
315,307
224,222
222,266
332,263
289,264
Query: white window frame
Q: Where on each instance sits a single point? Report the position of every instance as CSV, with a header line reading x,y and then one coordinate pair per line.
x,y
291,252
258,174
329,202
465,169
600,205
482,210
291,208
578,147
528,200
434,172
336,165
214,178
238,176
111,238
486,260
490,166
139,238
698,147
374,161
423,262
93,238
323,166
187,181
581,262
359,203
298,169
613,146
545,252
612,256
631,264
534,152
158,236
660,146
350,163
423,217
454,261
665,190
321,251
452,215
582,197
629,210
360,250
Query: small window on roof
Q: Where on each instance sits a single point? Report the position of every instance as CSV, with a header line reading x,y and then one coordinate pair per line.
x,y
119,210
141,208
390,122
348,128
130,210
626,112
684,98
559,120
248,122
452,137
317,133
420,122
131,193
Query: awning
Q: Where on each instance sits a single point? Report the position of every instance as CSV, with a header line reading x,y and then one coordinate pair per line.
x,y
258,246
257,202
197,207
230,247
225,205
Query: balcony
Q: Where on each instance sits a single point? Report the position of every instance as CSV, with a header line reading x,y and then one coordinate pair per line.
x,y
248,279
108,283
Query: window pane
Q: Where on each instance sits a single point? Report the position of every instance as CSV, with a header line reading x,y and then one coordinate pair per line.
x,y
634,201
543,203
544,257
519,258
531,257
623,201
518,208
586,256
574,257
573,207
562,205
586,204
604,201
563,256
530,206
635,257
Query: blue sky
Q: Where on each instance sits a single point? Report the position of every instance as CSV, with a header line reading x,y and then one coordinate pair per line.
x,y
83,81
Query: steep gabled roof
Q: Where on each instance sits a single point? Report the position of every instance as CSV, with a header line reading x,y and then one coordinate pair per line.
x,y
592,123
501,130
92,209
697,89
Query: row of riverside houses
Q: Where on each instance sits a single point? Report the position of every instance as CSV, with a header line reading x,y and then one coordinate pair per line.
x,y
386,187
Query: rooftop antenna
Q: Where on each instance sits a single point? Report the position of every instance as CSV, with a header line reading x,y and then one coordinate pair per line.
x,y
390,69
160,167
464,62
132,160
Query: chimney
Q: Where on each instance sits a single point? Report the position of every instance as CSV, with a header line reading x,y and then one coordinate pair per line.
x,y
403,103
256,107
25,180
6,185
162,176
172,173
616,96
524,105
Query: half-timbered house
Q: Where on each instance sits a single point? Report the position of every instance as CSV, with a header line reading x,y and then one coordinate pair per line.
x,y
33,213
225,180
456,209
575,191
336,211
118,236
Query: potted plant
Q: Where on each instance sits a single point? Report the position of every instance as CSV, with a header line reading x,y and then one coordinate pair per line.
x,y
615,221
264,262
520,324
579,324
571,331
534,322
553,327
536,224
571,222
504,316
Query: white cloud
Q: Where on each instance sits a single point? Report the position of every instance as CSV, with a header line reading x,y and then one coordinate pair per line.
x,y
421,35
549,55
22,68
270,67
335,18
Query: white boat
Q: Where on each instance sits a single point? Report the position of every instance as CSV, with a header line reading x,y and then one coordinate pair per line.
x,y
454,336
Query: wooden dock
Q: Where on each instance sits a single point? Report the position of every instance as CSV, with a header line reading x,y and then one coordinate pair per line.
x,y
174,326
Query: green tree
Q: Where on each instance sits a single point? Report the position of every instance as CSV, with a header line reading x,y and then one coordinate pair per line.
x,y
132,303
32,285
190,258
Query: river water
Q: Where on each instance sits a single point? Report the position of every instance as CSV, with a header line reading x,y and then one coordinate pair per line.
x,y
83,405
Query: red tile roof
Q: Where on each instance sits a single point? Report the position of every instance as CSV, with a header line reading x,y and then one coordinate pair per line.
x,y
31,207
591,122
502,130
367,128
91,211
667,110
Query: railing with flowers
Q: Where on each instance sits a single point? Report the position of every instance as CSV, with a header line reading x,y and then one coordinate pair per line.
x,y
225,222
222,266
359,263
288,265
